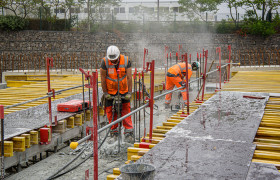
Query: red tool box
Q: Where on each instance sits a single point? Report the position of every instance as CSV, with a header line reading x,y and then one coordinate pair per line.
x,y
72,106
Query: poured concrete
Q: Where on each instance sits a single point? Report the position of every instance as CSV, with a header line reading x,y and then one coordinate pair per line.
x,y
259,171
214,142
190,158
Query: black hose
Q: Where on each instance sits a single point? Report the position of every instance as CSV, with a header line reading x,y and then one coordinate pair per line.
x,y
84,160
56,176
78,155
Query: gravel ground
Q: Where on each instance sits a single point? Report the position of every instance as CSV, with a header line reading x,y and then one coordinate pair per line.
x,y
108,156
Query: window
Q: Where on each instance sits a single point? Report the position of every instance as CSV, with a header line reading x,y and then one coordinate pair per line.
x,y
77,10
107,10
122,10
101,10
61,10
116,10
175,9
131,10
56,10
163,9
72,10
149,10
92,10
85,10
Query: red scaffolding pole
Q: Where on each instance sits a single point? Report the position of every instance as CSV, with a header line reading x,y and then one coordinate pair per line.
x,y
218,50
94,79
151,100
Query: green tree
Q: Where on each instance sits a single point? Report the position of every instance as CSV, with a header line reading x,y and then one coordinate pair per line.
x,y
20,8
253,6
194,8
98,6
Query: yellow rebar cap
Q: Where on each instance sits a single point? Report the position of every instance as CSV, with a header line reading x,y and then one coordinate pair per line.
x,y
73,145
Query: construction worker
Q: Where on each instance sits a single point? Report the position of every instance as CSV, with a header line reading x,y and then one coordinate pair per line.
x,y
110,64
175,76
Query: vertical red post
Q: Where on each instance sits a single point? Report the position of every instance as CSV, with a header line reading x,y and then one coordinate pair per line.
x,y
205,54
187,83
2,141
229,61
94,78
144,58
49,62
218,50
151,101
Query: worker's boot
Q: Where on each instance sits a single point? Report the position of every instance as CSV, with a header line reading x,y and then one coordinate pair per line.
x,y
113,137
167,106
129,136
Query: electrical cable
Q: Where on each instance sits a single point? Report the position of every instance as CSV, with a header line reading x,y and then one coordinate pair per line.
x,y
74,167
56,175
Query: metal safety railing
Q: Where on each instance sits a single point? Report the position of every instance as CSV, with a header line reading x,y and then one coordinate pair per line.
x,y
150,66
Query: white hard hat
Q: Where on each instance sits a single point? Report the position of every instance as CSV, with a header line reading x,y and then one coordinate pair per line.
x,y
113,52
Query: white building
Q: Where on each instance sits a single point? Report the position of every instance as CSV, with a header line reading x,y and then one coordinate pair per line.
x,y
169,10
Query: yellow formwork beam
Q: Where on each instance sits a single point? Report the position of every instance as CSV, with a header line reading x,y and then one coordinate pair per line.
x,y
276,163
267,146
266,155
268,140
270,124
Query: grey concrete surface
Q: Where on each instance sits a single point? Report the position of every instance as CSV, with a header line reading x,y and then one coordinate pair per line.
x,y
3,85
214,142
259,171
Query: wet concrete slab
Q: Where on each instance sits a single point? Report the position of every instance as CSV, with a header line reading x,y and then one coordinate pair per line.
x,y
227,116
186,158
214,142
260,171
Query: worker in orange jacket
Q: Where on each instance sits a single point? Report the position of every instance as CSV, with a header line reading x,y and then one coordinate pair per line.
x,y
109,81
175,76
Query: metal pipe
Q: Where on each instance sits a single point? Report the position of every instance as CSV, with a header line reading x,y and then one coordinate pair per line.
x,y
25,102
2,141
95,126
139,103
143,100
84,111
113,123
144,58
218,50
151,103
119,99
204,75
49,62
187,83
216,69
62,90
134,101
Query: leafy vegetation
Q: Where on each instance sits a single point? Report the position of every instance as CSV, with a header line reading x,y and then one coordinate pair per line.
x,y
12,23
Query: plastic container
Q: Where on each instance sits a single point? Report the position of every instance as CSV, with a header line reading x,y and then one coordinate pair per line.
x,y
137,171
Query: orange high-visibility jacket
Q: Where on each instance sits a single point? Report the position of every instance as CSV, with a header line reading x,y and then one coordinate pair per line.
x,y
177,70
112,78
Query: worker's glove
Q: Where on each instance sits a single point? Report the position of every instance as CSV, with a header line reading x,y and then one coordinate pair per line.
x,y
107,96
182,83
127,96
